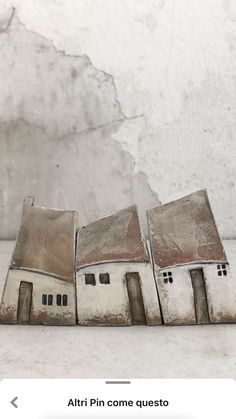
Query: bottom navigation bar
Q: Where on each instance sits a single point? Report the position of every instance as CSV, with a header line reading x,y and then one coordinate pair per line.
x,y
125,398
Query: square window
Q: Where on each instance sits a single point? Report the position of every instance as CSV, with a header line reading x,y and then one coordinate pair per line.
x,y
65,300
223,266
104,278
50,300
165,280
219,273
90,279
224,272
164,274
44,299
58,299
169,273
218,266
170,280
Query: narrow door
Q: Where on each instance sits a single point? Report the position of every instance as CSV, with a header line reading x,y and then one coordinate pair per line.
x,y
200,298
24,302
135,298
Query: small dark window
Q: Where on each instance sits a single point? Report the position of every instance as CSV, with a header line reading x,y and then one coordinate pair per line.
x,y
90,279
44,299
104,278
50,300
58,299
222,270
65,300
167,277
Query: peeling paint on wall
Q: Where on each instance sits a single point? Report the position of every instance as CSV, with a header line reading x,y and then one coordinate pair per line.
x,y
57,118
60,92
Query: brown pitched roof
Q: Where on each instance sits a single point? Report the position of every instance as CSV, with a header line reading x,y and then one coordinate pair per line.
x,y
184,231
114,238
46,242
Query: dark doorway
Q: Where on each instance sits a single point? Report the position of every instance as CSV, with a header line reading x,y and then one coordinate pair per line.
x,y
24,302
200,297
135,298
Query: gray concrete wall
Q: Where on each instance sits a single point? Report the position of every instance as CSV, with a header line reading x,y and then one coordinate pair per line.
x,y
108,103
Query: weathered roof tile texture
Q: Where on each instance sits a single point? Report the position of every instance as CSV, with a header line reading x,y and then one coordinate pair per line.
x,y
184,231
46,242
114,238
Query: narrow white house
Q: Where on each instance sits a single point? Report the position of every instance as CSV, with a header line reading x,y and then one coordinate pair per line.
x,y
193,276
115,283
40,285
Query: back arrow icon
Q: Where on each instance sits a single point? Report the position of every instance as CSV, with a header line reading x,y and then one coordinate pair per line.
x,y
13,402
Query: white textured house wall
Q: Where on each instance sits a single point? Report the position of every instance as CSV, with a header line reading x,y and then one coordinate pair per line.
x,y
139,108
221,294
177,298
42,284
109,303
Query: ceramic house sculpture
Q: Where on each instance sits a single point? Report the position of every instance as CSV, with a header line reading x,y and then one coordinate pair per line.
x,y
40,285
115,283
192,273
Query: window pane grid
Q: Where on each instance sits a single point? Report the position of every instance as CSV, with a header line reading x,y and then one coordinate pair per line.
x,y
60,300
167,277
222,270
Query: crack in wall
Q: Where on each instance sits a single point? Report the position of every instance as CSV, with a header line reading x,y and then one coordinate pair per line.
x,y
107,75
7,21
59,77
103,125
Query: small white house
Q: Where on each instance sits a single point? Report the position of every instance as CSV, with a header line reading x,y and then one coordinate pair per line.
x,y
115,283
40,285
192,273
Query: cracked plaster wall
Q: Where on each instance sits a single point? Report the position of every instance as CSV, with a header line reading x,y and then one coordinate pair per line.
x,y
106,103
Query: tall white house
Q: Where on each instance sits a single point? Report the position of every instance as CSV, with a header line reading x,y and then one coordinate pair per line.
x,y
191,269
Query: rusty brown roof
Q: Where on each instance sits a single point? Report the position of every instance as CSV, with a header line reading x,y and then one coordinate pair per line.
x,y
114,238
184,231
46,242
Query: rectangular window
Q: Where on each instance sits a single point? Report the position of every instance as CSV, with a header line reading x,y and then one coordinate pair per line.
x,y
65,300
104,278
222,270
58,299
90,279
50,300
167,277
44,299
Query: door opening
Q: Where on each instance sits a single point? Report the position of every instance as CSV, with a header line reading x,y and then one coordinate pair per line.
x,y
137,311
24,302
200,297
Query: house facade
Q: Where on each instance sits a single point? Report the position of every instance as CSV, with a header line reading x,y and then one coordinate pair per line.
x,y
192,273
40,285
114,280
107,276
